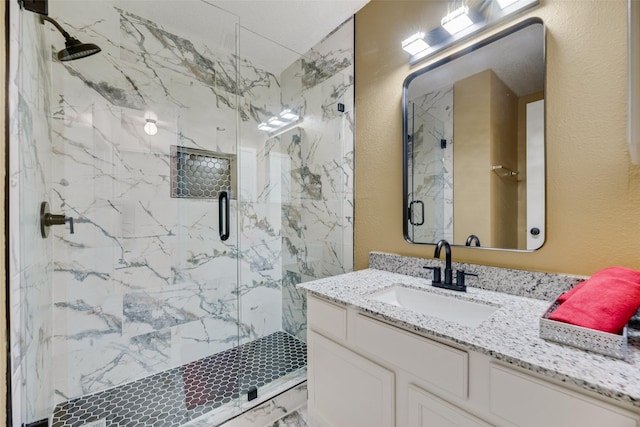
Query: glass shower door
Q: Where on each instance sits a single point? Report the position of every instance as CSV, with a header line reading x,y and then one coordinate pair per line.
x,y
138,145
294,194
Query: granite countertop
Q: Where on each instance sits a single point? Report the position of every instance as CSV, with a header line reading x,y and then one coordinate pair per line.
x,y
511,334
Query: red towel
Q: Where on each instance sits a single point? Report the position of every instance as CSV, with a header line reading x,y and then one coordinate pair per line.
x,y
620,273
614,272
604,303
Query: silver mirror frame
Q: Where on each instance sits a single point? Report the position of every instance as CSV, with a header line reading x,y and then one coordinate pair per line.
x,y
405,128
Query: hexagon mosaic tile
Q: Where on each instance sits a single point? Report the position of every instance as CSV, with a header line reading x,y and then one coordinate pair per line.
x,y
176,396
198,174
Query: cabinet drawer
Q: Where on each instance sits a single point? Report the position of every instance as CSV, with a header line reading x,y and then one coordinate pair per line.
x,y
443,367
326,318
527,401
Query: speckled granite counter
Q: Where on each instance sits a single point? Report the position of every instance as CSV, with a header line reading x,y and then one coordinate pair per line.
x,y
510,334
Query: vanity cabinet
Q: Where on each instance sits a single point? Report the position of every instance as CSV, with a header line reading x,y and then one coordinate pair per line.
x,y
348,390
365,372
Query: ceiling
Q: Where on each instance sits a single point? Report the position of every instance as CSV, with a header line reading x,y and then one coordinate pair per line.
x,y
296,24
279,30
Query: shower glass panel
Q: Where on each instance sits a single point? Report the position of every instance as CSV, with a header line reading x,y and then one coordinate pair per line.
x,y
295,169
196,214
431,164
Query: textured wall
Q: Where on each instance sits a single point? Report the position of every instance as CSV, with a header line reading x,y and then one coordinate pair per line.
x,y
593,191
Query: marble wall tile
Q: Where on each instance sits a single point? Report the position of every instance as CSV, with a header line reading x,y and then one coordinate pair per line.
x,y
120,361
317,217
145,284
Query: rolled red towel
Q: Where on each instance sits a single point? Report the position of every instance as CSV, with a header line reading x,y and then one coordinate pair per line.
x,y
562,298
602,303
612,272
619,273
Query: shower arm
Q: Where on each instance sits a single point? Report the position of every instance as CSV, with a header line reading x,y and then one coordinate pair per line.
x,y
66,35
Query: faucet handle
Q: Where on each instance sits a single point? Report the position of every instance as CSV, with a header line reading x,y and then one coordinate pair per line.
x,y
436,273
460,275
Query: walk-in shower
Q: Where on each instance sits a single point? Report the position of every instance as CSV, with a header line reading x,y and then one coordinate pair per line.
x,y
207,171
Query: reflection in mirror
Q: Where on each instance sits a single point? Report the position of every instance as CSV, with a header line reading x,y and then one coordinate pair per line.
x,y
474,156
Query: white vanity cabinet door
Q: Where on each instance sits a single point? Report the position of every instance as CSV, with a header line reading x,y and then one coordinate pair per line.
x,y
528,402
347,390
426,410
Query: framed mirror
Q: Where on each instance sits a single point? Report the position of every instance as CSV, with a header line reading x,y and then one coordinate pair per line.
x,y
474,144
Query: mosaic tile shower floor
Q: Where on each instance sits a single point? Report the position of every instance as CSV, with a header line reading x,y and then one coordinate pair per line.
x,y
179,395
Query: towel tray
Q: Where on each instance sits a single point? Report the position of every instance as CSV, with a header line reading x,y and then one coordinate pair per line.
x,y
614,345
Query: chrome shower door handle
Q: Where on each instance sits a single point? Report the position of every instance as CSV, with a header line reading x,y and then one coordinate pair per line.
x,y
223,215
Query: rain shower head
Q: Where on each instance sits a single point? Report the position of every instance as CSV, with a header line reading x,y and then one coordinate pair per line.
x,y
74,48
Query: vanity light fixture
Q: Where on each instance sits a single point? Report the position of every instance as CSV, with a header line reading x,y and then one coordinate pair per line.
x,y
415,44
150,127
456,21
461,24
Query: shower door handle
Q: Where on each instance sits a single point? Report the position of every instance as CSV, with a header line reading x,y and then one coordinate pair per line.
x,y
412,211
223,217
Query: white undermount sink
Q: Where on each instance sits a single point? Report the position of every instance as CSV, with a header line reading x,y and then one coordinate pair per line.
x,y
466,313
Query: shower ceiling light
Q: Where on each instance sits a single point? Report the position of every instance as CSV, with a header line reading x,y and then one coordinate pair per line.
x,y
415,44
150,127
457,20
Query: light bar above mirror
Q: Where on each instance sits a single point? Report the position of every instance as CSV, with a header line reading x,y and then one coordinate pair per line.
x,y
462,20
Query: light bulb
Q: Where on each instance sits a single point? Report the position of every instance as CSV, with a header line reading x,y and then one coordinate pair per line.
x,y
457,20
415,44
150,127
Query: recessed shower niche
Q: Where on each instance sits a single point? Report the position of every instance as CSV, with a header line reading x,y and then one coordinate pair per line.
x,y
201,174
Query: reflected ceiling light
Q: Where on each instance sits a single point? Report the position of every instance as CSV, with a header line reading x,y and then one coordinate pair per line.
x,y
285,120
289,115
265,127
457,20
274,121
150,127
415,44
506,3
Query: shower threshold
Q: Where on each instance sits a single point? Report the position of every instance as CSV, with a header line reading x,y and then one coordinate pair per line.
x,y
205,392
